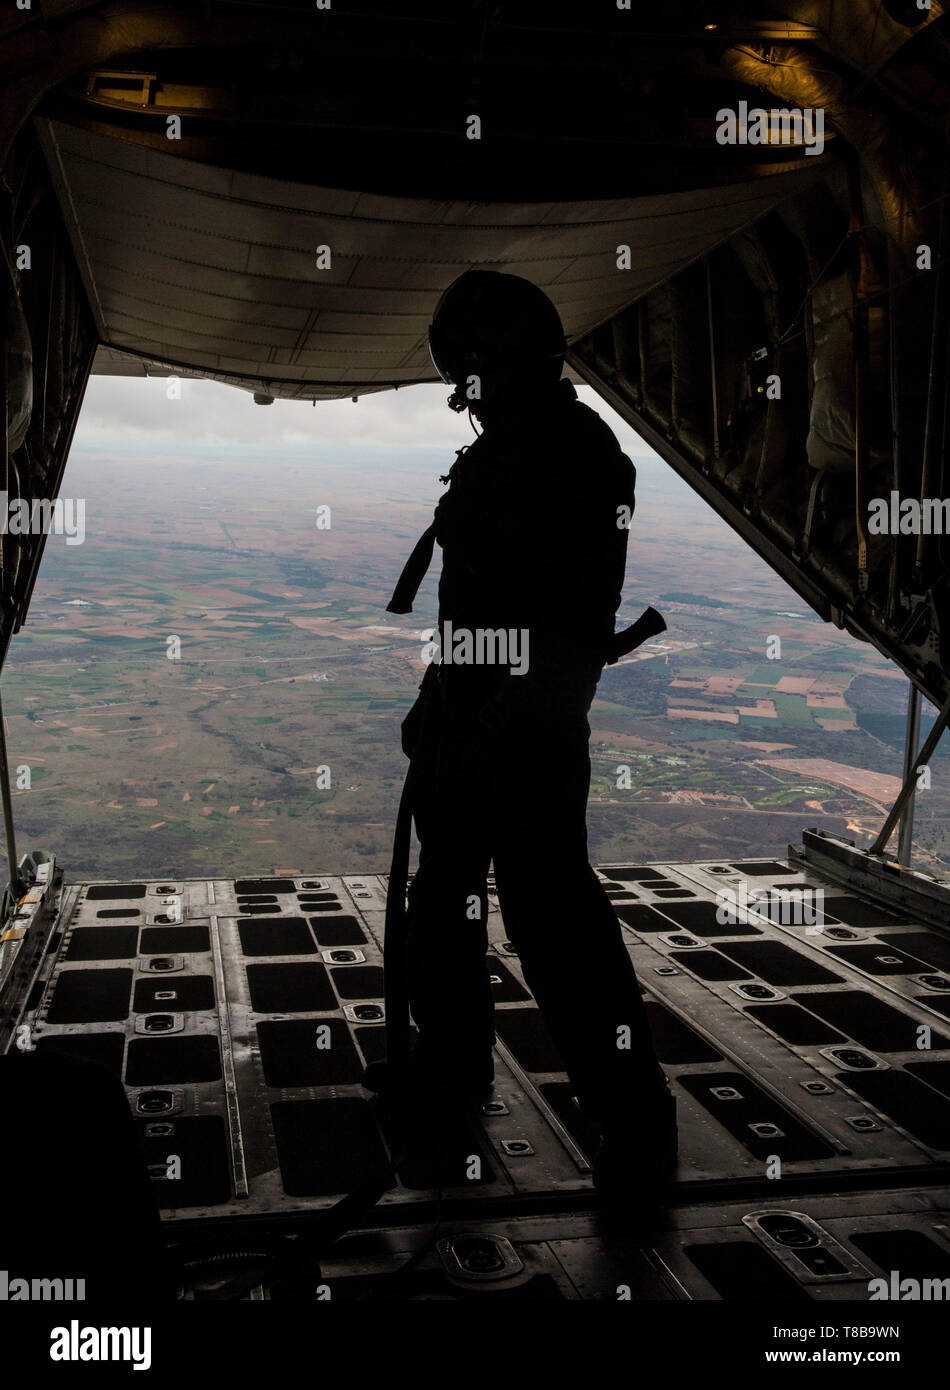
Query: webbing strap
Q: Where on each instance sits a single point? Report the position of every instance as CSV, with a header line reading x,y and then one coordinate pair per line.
x,y
413,573
395,963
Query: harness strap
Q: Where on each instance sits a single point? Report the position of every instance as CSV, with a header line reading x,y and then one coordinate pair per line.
x,y
414,571
396,986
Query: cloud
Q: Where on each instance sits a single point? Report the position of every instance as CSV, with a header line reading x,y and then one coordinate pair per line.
x,y
133,411
136,415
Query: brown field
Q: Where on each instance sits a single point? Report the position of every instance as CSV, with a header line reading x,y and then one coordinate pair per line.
x,y
879,785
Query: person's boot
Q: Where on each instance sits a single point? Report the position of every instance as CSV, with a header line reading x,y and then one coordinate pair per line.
x,y
427,1123
635,1167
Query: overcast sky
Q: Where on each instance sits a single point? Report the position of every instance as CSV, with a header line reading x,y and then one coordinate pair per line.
x,y
136,415
134,410
410,432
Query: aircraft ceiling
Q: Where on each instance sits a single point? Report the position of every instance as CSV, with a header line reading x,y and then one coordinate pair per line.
x,y
215,270
344,128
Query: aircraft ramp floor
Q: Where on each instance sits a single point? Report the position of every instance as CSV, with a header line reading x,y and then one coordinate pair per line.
x,y
811,1065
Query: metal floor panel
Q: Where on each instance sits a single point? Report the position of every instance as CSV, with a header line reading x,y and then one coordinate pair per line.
x,y
817,1249
240,1015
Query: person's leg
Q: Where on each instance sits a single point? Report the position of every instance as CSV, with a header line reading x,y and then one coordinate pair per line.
x,y
449,990
569,941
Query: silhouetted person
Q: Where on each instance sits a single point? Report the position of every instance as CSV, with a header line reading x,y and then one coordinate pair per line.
x,y
80,1205
534,542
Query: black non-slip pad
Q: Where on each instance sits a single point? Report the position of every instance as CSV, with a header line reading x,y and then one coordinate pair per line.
x,y
102,943
174,940
642,918
701,919
264,885
199,1143
741,1271
710,965
868,955
91,996
359,981
104,891
338,931
939,1002
170,1060
525,1033
276,936
932,949
301,1052
795,1024
854,912
755,1106
914,1106
192,993
868,1020
783,908
103,1049
760,867
674,1040
936,1074
911,1252
778,964
326,1146
295,987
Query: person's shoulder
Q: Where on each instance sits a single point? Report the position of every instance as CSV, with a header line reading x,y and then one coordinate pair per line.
x,y
467,461
601,447
584,418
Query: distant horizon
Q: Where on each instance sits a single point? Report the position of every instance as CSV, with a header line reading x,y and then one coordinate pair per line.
x,y
134,411
200,523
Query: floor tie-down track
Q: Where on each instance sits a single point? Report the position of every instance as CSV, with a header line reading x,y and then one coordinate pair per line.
x,y
811,1067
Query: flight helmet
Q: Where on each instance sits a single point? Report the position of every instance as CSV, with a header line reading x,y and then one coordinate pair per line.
x,y
500,330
